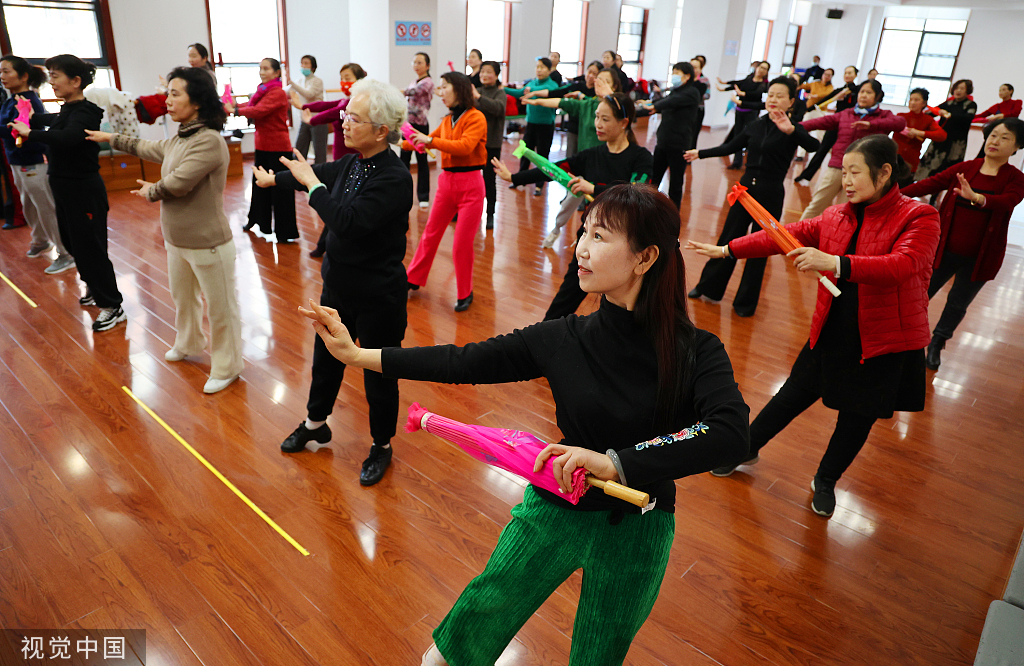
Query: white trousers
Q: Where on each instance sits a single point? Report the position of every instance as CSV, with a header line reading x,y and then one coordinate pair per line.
x,y
37,202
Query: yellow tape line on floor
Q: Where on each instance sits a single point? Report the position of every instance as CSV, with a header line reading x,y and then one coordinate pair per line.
x,y
19,291
216,473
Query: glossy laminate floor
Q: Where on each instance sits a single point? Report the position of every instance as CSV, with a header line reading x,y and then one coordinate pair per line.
x,y
107,521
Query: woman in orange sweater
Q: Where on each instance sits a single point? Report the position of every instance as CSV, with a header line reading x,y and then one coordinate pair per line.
x,y
461,139
920,126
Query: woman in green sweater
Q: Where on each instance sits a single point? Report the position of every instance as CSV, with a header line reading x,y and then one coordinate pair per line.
x,y
607,83
200,250
540,121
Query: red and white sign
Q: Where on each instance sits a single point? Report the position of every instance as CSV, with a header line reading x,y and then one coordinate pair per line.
x,y
414,31
400,29
425,30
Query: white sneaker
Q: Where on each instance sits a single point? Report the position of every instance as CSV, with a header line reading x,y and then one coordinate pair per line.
x,y
108,318
214,385
551,238
173,355
424,205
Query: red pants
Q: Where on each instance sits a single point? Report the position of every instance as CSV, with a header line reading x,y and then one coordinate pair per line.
x,y
457,192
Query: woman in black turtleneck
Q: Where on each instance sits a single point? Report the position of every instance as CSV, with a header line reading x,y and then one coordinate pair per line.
x,y
771,142
79,194
750,92
620,378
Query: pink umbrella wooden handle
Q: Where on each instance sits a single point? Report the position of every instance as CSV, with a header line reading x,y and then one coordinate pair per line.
x,y
621,492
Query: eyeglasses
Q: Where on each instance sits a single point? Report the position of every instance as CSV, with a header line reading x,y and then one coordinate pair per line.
x,y
351,120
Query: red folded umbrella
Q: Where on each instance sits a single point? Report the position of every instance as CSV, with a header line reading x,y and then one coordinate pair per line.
x,y
786,241
514,451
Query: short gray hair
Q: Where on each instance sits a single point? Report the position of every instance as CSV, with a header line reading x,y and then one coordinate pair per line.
x,y
388,106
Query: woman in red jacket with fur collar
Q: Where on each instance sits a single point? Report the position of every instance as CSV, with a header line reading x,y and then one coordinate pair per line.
x,y
975,218
865,354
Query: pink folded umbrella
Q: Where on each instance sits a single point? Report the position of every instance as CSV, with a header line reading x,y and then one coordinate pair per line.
x,y
514,451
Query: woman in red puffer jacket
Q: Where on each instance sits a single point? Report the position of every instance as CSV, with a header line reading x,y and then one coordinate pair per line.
x,y
865,355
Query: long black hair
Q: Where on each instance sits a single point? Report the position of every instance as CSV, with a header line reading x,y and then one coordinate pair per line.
x,y
463,88
203,93
647,217
21,67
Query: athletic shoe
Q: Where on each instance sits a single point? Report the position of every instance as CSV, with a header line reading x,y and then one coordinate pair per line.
x,y
824,501
215,385
551,238
296,441
109,318
174,355
87,299
62,263
729,469
424,205
37,250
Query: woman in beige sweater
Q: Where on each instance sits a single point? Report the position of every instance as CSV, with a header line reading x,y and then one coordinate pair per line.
x,y
200,250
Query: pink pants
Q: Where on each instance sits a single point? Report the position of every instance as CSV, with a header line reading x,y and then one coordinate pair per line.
x,y
457,192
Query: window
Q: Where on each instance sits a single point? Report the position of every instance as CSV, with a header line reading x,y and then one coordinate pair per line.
x,y
487,26
569,35
676,36
792,46
762,40
38,29
918,53
632,35
242,36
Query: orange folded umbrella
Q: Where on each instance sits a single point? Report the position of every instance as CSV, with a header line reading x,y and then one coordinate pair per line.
x,y
777,232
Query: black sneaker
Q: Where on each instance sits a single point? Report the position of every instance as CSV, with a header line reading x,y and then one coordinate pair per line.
x,y
375,464
490,221
296,441
87,299
729,469
824,501
108,318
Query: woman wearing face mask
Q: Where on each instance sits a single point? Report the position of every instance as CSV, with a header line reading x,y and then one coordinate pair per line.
x,y
975,218
311,90
79,195
957,114
849,125
490,99
749,93
419,93
474,61
28,163
1007,107
770,143
461,139
200,251
865,354
920,126
583,111
678,112
845,97
320,114
618,160
267,109
667,375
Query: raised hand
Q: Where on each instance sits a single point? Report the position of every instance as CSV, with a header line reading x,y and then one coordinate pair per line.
x,y
782,121
263,177
301,169
707,249
501,170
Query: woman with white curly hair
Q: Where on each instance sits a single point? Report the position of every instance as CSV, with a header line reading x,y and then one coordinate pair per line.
x,y
364,200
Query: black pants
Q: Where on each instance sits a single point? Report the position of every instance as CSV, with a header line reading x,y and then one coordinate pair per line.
x,y
375,328
674,161
422,166
827,142
743,118
489,176
795,396
538,138
276,202
715,276
81,205
698,125
570,295
963,291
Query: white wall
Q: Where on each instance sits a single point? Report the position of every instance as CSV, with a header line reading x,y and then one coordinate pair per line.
x,y
369,37
307,36
603,28
660,23
531,37
144,55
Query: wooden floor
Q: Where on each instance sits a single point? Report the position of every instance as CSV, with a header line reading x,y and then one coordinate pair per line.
x,y
107,521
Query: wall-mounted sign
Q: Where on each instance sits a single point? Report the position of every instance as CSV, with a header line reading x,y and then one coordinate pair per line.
x,y
412,33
